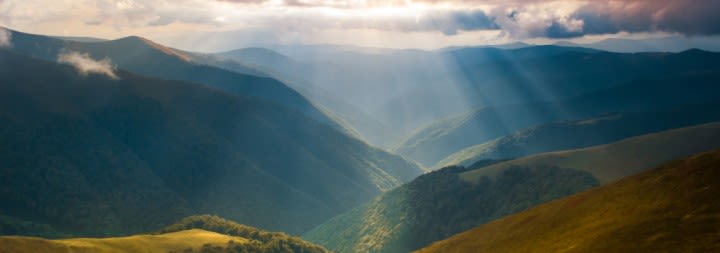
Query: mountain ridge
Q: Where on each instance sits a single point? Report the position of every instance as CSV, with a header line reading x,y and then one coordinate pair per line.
x,y
572,134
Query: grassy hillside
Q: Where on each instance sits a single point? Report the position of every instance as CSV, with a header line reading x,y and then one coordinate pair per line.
x,y
673,208
89,155
613,161
442,203
186,241
581,133
202,233
163,243
434,142
281,241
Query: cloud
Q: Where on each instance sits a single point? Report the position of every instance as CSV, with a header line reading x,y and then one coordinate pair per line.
x,y
85,65
529,18
688,17
512,19
136,13
5,38
449,22
551,19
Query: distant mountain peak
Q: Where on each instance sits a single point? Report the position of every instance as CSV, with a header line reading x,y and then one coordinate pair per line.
x,y
694,51
166,50
256,53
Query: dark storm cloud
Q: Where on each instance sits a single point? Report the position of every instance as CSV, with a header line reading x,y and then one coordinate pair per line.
x,y
698,17
559,31
450,22
511,18
471,20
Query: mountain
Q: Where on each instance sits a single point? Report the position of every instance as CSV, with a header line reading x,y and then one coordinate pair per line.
x,y
453,199
142,56
512,45
403,88
80,39
432,143
671,209
95,155
296,75
581,133
176,238
261,57
666,44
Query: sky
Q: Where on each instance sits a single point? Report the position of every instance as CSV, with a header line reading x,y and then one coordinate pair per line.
x,y
217,25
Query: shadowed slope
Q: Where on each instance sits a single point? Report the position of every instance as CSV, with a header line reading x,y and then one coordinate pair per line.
x,y
98,156
145,57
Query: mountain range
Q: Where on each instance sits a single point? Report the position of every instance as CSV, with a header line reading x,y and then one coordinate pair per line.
x,y
386,94
571,134
430,144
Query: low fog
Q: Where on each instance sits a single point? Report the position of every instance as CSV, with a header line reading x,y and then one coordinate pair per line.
x,y
5,38
86,65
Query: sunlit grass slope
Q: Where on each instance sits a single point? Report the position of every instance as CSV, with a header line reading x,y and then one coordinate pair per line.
x,y
673,208
176,241
200,233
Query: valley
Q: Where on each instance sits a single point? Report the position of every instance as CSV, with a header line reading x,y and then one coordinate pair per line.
x,y
343,126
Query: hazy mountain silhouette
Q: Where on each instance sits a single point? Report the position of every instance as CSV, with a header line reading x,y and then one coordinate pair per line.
x,y
667,44
434,142
407,89
583,133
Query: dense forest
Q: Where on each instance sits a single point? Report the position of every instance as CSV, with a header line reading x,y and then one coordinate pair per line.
x,y
439,204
